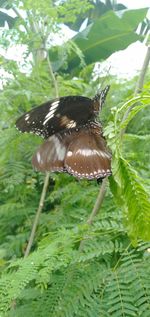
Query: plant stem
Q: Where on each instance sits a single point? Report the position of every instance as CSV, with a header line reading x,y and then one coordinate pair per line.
x,y
140,82
52,76
139,85
46,181
20,17
37,216
17,13
98,202
96,207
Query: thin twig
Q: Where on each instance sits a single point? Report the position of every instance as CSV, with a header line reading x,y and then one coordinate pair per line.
x,y
98,202
139,85
46,181
20,17
37,216
96,207
52,75
17,13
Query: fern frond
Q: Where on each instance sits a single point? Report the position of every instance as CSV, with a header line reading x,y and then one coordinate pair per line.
x,y
127,186
136,201
127,287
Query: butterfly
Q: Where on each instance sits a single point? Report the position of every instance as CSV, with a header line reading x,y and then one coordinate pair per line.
x,y
74,139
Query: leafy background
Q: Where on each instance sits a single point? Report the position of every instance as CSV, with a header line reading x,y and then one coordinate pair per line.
x,y
110,274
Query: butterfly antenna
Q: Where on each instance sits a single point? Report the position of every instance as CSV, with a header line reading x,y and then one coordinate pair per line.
x,y
104,79
101,96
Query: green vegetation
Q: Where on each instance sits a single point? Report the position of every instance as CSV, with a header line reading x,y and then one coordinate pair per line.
x,y
110,274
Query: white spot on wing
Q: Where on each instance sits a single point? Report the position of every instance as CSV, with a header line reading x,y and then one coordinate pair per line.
x,y
92,152
38,157
105,154
55,103
69,153
27,116
59,148
71,124
51,112
49,116
86,152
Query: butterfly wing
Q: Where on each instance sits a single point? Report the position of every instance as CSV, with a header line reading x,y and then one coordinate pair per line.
x,y
82,154
51,154
57,115
87,155
61,114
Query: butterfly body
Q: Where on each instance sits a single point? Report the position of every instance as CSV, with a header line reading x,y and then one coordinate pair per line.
x,y
74,140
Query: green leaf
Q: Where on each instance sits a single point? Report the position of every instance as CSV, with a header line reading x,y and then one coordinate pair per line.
x,y
137,203
95,10
108,34
132,114
134,17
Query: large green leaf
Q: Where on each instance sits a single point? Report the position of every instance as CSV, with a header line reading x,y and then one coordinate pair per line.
x,y
110,33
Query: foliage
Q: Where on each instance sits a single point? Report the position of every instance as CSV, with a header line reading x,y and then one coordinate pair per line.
x,y
106,35
97,9
110,275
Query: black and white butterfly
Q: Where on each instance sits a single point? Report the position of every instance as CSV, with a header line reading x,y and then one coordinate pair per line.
x,y
74,141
